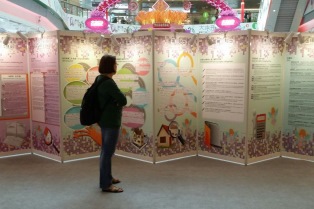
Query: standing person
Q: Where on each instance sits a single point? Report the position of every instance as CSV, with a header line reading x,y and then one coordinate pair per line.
x,y
123,21
249,17
114,20
111,100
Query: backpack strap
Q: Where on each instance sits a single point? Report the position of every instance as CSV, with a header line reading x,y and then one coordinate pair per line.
x,y
99,80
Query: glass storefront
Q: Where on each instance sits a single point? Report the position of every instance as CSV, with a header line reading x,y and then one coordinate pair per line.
x,y
75,9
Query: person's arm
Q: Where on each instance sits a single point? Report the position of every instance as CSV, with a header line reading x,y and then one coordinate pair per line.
x,y
117,95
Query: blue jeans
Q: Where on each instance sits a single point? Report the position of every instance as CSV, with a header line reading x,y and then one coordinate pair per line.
x,y
109,141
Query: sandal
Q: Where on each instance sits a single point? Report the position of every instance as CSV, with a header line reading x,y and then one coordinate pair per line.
x,y
115,181
113,189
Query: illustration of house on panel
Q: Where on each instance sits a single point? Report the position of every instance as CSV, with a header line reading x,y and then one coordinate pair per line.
x,y
138,137
164,138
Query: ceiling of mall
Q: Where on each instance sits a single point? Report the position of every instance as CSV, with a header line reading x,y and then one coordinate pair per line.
x,y
10,23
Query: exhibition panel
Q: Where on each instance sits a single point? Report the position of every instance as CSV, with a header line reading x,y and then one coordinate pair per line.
x,y
176,75
239,96
267,56
45,94
78,63
15,134
134,52
298,126
224,59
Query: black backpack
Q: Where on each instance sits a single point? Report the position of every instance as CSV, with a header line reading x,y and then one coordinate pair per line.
x,y
90,110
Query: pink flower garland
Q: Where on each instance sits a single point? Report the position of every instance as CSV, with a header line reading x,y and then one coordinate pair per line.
x,y
228,13
100,10
219,4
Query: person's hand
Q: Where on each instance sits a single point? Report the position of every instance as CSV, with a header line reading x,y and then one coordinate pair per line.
x,y
90,132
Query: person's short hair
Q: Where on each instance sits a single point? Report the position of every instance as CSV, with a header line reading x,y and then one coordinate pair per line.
x,y
106,64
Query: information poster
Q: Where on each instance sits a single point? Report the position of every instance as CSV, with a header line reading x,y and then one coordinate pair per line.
x,y
223,93
79,56
175,94
134,77
265,95
38,96
45,94
298,136
14,94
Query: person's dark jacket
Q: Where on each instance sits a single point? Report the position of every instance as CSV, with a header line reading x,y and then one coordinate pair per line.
x,y
111,101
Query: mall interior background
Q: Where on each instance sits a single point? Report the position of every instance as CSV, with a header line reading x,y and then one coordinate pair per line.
x,y
199,13
49,15
195,13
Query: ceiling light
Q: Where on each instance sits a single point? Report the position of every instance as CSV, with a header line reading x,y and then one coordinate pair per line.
x,y
6,40
114,40
21,35
100,40
267,34
301,38
289,38
191,42
210,41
